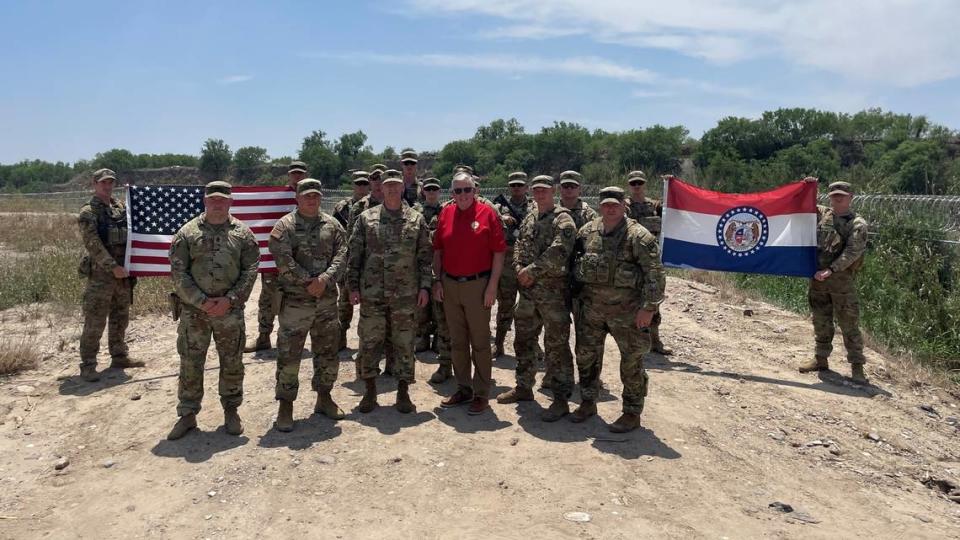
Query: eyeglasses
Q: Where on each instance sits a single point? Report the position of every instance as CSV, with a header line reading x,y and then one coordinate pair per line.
x,y
459,190
636,183
431,188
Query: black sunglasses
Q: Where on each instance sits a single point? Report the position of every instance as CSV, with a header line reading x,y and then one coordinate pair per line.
x,y
363,183
568,186
431,188
459,190
636,183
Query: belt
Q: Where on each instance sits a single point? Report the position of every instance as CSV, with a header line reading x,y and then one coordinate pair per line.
x,y
471,277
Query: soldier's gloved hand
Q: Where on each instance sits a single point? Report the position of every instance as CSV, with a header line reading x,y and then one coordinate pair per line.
x,y
354,297
644,318
120,272
317,286
423,298
438,291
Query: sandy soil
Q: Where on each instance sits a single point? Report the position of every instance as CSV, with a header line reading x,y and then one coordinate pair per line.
x,y
730,428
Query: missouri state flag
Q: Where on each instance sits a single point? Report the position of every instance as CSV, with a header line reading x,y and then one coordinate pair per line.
x,y
773,232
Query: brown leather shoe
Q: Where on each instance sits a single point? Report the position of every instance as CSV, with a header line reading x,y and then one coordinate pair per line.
x,y
458,398
514,395
478,406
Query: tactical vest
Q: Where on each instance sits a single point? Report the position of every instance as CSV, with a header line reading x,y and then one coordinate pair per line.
x,y
833,233
605,261
112,226
311,248
645,213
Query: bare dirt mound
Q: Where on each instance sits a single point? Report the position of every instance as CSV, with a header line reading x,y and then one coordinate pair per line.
x,y
735,444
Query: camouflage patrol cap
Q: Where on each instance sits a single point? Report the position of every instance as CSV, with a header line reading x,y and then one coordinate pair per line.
x,y
359,174
297,166
392,175
542,181
378,167
408,156
570,177
462,168
361,177
218,188
611,194
309,185
476,179
633,176
518,178
840,188
102,175
431,182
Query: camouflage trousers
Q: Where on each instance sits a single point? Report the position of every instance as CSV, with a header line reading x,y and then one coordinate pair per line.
x,y
299,316
344,308
543,304
193,340
431,322
506,295
835,299
384,322
268,305
105,298
596,320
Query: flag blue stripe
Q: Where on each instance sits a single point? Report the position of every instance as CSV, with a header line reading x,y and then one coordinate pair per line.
x,y
781,261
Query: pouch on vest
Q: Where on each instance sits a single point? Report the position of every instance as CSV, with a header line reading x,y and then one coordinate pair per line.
x,y
175,306
86,267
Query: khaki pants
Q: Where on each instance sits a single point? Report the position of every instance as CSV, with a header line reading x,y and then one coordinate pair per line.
x,y
469,324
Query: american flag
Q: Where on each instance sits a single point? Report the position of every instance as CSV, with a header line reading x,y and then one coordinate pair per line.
x,y
156,213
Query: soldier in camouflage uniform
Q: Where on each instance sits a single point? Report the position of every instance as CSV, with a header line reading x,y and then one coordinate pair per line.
x,y
109,290
841,245
268,304
512,211
541,262
617,267
412,189
389,276
649,213
213,266
570,199
341,212
430,319
310,248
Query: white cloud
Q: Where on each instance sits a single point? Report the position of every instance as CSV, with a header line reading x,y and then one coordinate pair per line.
x,y
234,79
899,42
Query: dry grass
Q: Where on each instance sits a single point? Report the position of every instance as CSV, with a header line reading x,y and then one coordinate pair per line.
x,y
18,355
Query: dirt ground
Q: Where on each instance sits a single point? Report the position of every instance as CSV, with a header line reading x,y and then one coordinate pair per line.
x,y
730,429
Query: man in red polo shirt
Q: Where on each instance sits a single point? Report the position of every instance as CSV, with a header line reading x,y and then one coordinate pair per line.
x,y
468,253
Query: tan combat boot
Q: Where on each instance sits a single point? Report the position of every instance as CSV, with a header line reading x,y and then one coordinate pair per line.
x,y
369,401
586,409
441,374
182,427
284,421
627,422
656,345
89,373
327,407
558,409
231,421
498,344
125,363
514,395
404,405
857,374
817,364
261,343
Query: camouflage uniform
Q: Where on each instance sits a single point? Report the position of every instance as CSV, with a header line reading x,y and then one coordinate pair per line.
x,y
103,229
648,213
507,288
581,213
305,248
621,274
841,245
430,319
341,212
209,260
543,249
390,261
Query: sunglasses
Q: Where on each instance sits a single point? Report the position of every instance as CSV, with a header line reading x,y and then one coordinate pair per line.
x,y
636,183
459,190
431,188
568,186
361,183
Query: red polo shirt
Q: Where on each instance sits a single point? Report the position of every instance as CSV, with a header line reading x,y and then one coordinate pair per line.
x,y
468,238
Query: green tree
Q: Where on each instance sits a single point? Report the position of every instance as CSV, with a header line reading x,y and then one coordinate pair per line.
x,y
321,159
215,159
247,160
117,160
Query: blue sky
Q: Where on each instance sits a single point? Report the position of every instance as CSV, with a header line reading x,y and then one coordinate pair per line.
x,y
81,77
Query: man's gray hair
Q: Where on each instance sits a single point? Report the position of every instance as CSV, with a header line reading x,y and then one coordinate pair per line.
x,y
463,177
